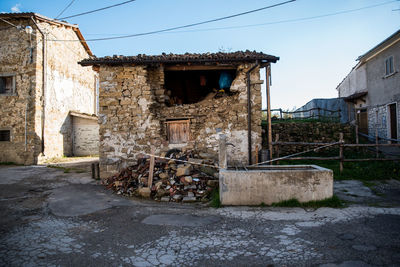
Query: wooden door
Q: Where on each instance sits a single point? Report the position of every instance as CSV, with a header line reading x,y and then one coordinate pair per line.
x,y
393,121
362,120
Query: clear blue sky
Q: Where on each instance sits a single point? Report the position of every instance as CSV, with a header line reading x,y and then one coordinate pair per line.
x,y
315,54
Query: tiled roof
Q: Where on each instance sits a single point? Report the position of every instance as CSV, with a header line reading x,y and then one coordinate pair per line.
x,y
28,15
239,56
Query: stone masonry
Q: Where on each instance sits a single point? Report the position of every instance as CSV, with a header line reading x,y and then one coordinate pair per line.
x,y
133,113
69,87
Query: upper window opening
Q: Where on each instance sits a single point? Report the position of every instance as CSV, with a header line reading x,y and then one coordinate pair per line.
x,y
7,85
5,135
188,87
389,66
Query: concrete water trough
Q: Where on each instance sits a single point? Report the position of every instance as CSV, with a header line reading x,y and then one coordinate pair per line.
x,y
274,183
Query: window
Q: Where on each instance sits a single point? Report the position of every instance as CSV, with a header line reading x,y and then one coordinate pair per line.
x,y
7,84
178,131
5,135
389,66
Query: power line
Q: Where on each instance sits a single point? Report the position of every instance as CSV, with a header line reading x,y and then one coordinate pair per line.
x,y
65,9
92,11
290,20
278,22
185,26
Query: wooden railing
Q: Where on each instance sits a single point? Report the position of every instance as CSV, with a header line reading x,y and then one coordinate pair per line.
x,y
342,145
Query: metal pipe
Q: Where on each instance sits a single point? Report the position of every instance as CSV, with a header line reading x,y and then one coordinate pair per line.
x,y
249,110
44,81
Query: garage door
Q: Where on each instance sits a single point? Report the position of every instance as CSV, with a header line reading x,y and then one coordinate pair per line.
x,y
85,140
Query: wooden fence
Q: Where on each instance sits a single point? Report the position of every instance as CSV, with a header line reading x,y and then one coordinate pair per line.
x,y
314,113
341,158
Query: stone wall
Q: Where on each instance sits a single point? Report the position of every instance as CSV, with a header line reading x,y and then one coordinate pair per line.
x,y
308,132
16,60
378,118
69,87
133,114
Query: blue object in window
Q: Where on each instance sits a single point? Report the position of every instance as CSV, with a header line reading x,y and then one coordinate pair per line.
x,y
225,80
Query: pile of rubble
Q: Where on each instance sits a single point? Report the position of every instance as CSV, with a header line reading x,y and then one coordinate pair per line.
x,y
172,180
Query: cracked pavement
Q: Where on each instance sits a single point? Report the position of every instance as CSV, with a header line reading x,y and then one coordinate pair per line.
x,y
51,218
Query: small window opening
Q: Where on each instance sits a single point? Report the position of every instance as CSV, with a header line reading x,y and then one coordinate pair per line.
x,y
178,131
5,135
6,84
188,87
389,66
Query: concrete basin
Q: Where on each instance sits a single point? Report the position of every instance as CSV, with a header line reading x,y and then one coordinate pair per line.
x,y
274,183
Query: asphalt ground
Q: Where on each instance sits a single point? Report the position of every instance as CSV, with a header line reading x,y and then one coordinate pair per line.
x,y
52,218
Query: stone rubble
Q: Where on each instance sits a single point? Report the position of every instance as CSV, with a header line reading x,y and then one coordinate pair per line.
x,y
172,180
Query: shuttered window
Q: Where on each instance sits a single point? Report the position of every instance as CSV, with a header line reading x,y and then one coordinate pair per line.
x,y
178,131
5,135
7,85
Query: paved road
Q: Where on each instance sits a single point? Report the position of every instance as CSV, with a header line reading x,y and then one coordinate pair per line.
x,y
53,218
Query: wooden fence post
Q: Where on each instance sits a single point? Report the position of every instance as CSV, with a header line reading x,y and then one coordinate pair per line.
x,y
341,152
377,142
93,172
280,112
357,141
277,147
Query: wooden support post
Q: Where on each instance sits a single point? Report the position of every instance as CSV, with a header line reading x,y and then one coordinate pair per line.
x,y
357,141
377,142
98,171
223,163
93,172
341,152
151,170
267,87
280,112
277,148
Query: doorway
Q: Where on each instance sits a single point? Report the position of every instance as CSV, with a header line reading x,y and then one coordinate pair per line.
x,y
392,108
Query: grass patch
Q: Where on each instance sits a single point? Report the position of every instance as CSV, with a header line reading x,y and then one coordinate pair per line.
x,y
333,202
215,202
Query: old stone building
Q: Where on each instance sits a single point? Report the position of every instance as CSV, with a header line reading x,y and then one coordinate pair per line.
x,y
41,83
179,101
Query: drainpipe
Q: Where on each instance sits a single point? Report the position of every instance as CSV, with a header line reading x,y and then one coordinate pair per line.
x,y
249,110
44,81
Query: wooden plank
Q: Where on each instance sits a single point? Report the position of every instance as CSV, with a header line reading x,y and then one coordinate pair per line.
x,y
369,145
151,170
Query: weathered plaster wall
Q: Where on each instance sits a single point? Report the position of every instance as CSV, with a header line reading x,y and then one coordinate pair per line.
x,y
355,82
132,115
383,91
16,59
70,87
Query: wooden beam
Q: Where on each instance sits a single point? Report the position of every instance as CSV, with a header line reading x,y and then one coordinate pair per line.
x,y
267,75
199,67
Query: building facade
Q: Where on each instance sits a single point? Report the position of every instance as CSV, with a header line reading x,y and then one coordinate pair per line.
x,y
40,84
373,89
179,102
